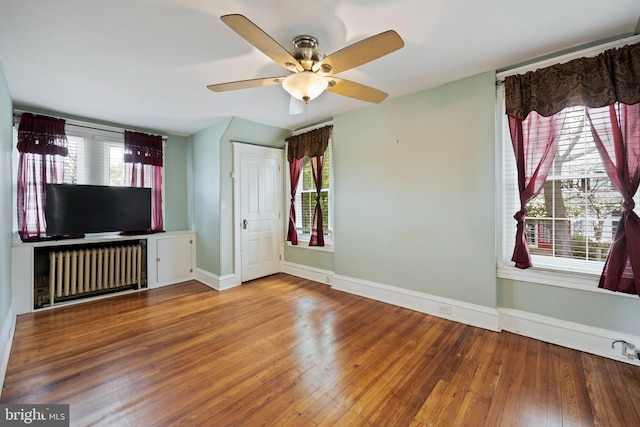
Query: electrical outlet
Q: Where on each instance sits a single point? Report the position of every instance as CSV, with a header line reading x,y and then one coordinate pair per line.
x,y
444,309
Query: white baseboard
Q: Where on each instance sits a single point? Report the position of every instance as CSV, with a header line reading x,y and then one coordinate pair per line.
x,y
6,339
555,331
567,334
219,283
458,311
309,273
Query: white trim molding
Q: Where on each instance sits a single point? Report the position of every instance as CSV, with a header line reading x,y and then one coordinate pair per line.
x,y
310,273
567,334
6,339
457,311
219,283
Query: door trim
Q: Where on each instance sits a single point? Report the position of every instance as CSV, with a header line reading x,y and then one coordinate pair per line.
x,y
238,149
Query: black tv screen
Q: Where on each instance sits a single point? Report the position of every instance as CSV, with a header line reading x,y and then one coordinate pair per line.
x,y
79,209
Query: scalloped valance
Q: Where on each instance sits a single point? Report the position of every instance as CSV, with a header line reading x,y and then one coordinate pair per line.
x,y
309,144
612,76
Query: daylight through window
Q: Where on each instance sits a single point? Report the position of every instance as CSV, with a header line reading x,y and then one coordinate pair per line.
x,y
306,198
573,220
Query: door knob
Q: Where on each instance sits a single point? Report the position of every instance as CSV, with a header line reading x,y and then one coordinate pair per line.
x,y
245,223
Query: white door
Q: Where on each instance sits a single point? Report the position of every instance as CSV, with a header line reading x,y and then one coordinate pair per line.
x,y
260,220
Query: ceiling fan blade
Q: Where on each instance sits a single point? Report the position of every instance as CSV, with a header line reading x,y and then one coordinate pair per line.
x,y
246,84
360,53
262,41
356,90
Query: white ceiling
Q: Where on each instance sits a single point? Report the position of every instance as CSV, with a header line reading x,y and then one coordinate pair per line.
x,y
146,63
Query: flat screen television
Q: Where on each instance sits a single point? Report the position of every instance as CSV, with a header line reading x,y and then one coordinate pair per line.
x,y
78,209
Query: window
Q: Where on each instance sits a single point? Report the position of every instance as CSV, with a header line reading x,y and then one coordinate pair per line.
x,y
571,223
306,199
96,157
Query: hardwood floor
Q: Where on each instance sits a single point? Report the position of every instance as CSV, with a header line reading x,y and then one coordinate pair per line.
x,y
286,351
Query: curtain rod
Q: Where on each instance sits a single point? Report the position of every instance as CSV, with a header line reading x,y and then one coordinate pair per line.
x,y
312,127
77,123
565,55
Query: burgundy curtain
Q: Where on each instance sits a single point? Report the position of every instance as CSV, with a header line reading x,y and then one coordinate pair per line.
x,y
295,169
616,131
143,163
42,143
310,144
317,232
535,140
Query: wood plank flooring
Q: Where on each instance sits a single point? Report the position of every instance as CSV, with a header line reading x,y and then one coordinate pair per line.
x,y
289,352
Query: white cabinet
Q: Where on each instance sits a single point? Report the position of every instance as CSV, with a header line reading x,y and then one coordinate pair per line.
x,y
175,258
22,279
170,258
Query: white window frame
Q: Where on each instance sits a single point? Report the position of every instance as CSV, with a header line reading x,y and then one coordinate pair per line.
x,y
573,274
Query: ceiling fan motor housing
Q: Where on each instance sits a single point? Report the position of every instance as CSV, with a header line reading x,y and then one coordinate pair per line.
x,y
305,50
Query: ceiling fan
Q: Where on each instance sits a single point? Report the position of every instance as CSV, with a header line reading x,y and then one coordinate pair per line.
x,y
311,72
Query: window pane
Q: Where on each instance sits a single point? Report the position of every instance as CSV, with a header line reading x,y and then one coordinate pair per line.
x,y
308,207
307,176
71,161
306,197
116,165
576,213
307,211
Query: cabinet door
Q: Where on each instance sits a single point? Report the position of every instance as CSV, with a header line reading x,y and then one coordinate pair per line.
x,y
174,259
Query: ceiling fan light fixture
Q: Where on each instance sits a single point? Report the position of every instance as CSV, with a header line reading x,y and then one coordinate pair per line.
x,y
305,86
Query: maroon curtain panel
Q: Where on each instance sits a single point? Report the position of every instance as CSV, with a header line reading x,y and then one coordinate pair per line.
x,y
616,131
535,140
295,169
317,232
42,143
144,154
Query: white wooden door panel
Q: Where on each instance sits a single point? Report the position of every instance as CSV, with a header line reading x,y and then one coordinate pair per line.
x,y
260,211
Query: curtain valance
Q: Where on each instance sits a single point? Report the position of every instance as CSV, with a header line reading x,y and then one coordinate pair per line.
x,y
613,76
309,144
142,148
42,135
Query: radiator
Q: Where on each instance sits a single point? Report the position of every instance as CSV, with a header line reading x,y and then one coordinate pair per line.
x,y
83,271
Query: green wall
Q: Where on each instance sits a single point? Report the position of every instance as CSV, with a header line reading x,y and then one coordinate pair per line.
x,y
176,183
414,199
314,258
6,143
205,177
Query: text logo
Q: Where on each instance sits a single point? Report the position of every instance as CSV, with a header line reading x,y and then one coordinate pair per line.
x,y
34,415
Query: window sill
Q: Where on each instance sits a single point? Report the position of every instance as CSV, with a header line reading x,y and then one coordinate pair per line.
x,y
328,247
571,280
